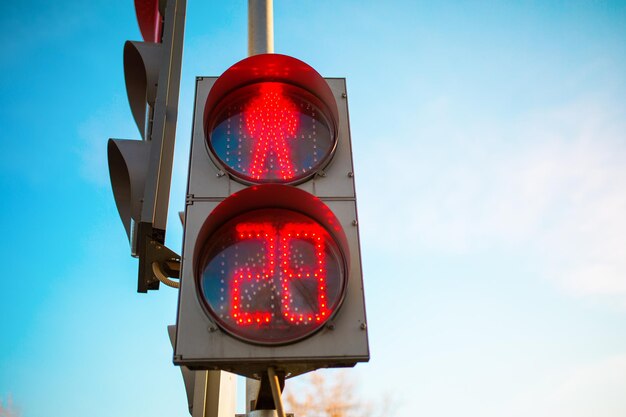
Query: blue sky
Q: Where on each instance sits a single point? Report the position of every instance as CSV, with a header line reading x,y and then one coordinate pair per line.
x,y
490,158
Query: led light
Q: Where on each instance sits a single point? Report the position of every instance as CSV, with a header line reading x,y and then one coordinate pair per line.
x,y
272,276
271,132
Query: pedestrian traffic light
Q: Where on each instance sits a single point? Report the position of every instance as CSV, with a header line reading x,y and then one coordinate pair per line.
x,y
271,270
141,170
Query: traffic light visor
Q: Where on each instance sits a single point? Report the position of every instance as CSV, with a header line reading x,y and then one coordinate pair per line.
x,y
150,19
269,126
272,132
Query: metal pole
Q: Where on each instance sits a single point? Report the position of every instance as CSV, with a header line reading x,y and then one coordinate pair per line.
x,y
214,394
252,392
260,27
276,394
260,41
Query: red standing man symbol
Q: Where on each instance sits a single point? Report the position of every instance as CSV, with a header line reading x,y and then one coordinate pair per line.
x,y
271,118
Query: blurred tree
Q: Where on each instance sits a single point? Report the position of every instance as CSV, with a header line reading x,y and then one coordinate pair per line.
x,y
330,395
7,410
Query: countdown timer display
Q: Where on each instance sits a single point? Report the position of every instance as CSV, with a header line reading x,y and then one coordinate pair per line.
x,y
272,276
271,132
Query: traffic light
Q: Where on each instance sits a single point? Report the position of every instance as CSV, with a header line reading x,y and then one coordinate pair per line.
x,y
271,269
141,170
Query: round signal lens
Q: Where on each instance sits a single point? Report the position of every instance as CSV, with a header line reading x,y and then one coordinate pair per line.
x,y
271,132
271,276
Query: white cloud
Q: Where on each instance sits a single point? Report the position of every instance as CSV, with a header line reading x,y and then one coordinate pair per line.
x,y
550,185
595,389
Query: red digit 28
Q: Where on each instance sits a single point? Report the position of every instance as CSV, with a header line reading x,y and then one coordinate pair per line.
x,y
283,247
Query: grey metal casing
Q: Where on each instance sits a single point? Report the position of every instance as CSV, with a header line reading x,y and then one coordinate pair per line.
x,y
141,170
200,343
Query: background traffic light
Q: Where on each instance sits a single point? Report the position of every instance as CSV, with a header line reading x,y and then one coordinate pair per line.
x,y
271,271
141,170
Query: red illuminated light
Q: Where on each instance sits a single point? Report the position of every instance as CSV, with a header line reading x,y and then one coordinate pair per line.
x,y
272,276
317,271
289,272
271,132
271,118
